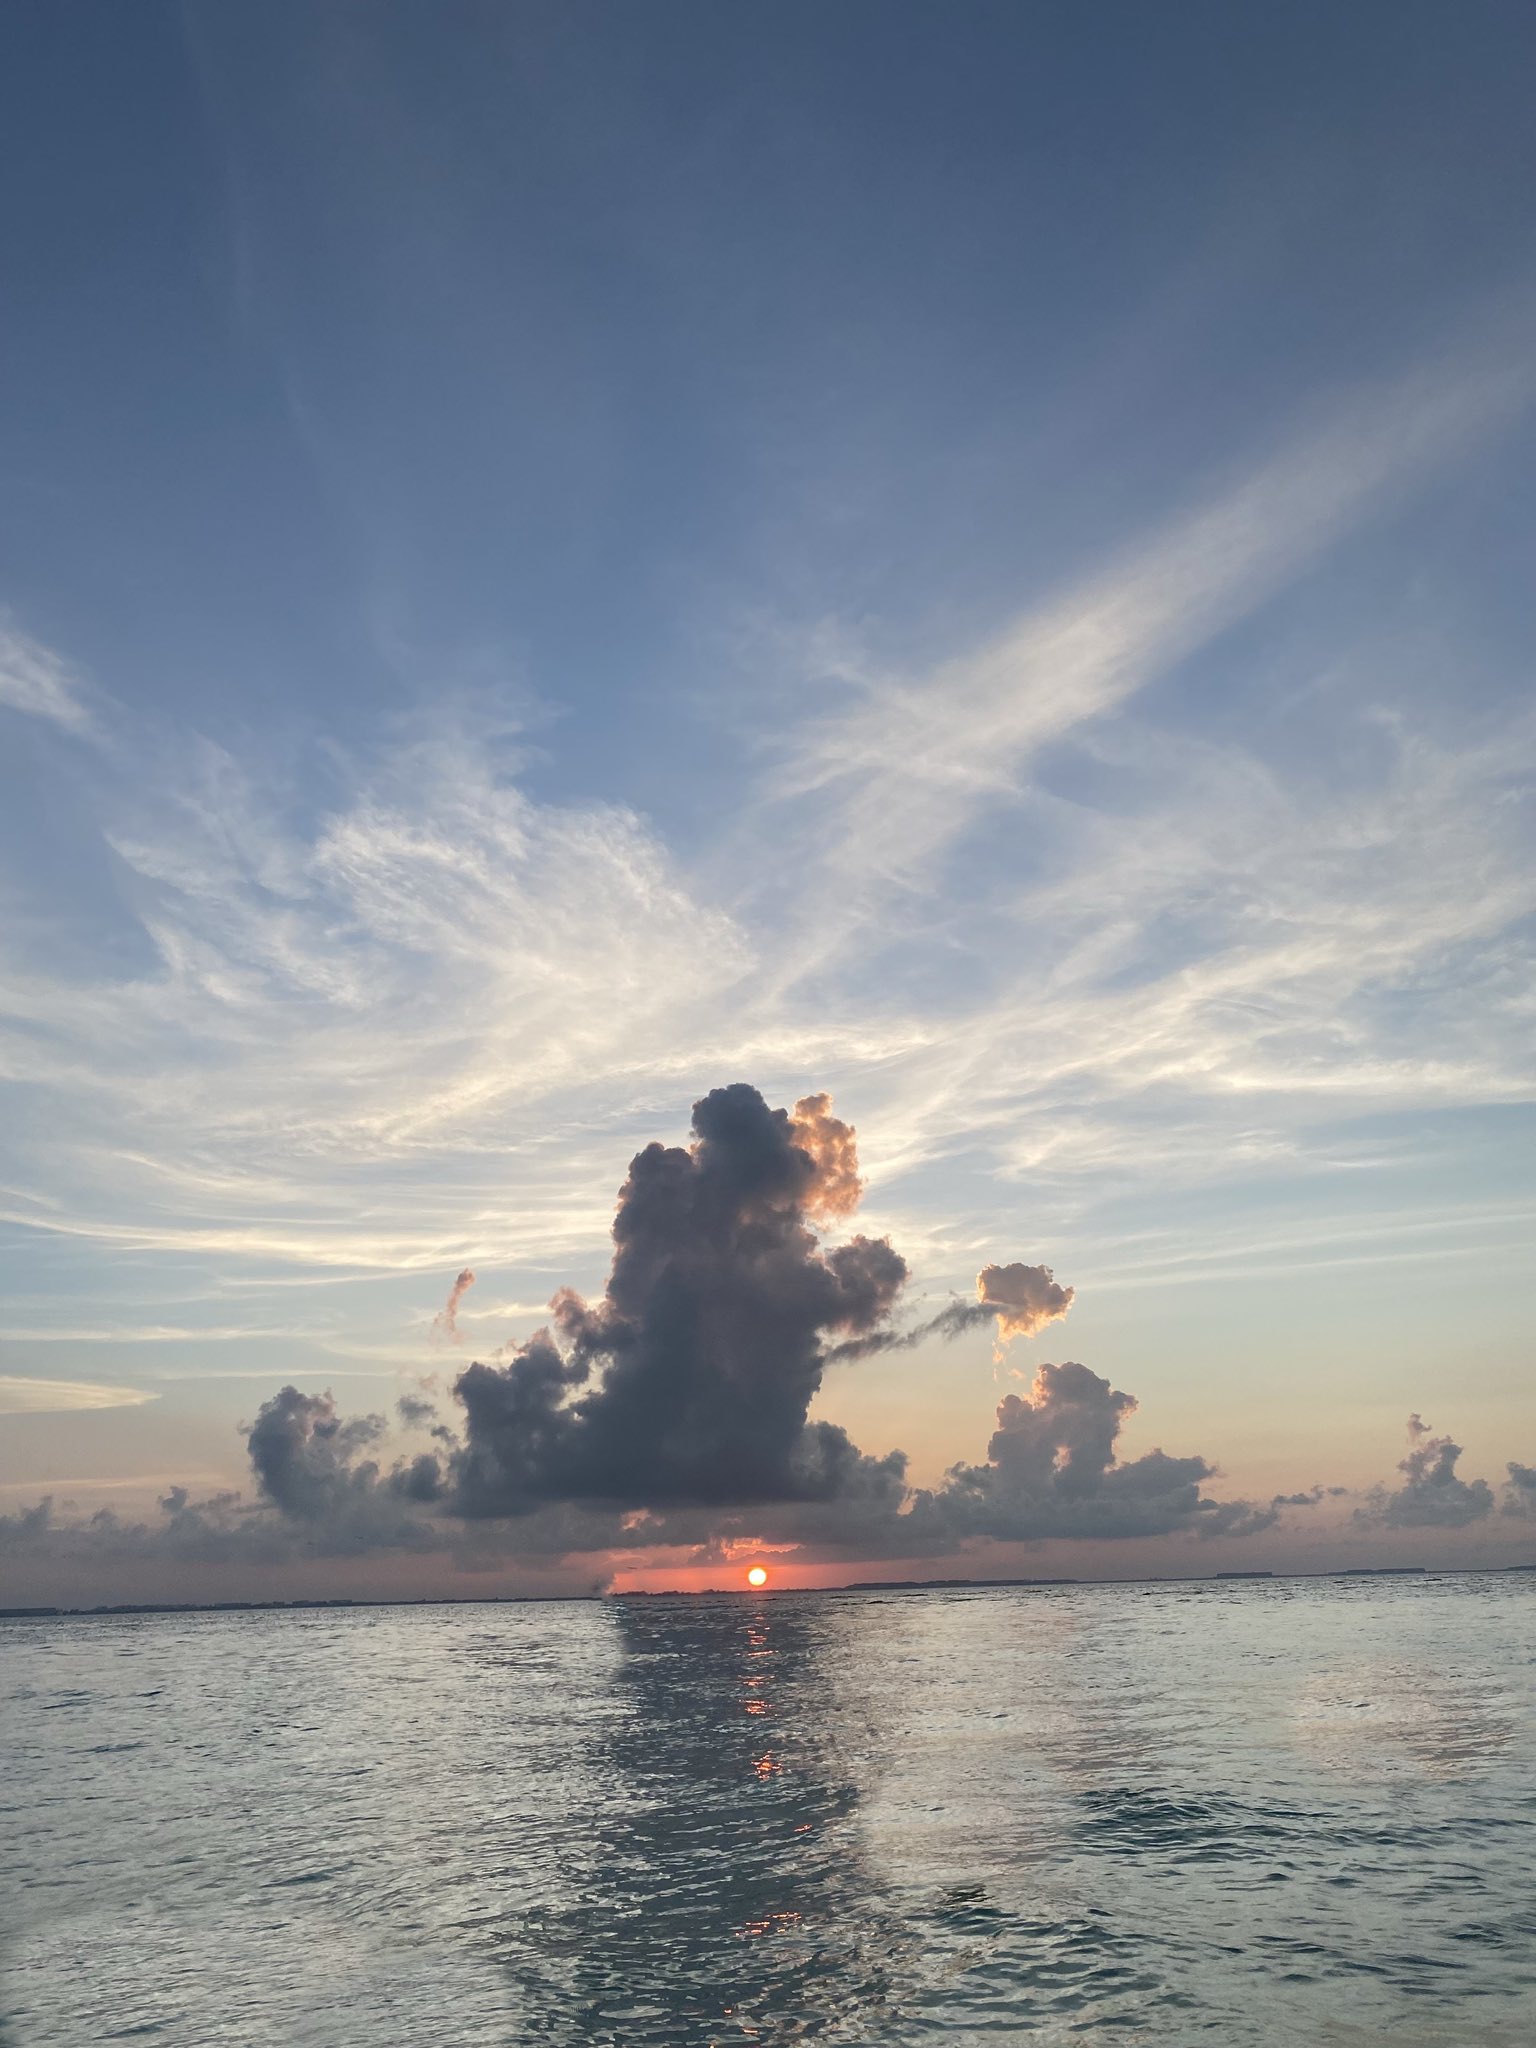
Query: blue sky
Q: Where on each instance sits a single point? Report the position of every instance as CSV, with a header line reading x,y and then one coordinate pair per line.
x,y
977,559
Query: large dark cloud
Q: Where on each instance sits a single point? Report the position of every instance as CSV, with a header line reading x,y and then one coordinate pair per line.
x,y
1431,1495
712,1333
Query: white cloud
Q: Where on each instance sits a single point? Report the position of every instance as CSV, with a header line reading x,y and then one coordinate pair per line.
x,y
1210,975
36,681
916,761
21,1396
399,1040
425,1030
146,1333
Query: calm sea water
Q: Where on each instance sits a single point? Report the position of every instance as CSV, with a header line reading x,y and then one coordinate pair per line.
x,y
1277,1812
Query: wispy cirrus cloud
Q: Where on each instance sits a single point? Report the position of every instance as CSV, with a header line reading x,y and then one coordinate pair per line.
x,y
1242,945
1214,969
147,1333
896,777
38,682
1208,978
399,1035
20,1395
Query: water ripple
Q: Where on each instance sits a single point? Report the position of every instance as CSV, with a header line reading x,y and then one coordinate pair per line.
x,y
1270,1813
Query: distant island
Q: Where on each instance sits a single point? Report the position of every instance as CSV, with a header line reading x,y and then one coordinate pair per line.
x,y
1352,1571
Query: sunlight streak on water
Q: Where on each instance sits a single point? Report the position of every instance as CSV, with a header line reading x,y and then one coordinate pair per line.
x,y
1280,1812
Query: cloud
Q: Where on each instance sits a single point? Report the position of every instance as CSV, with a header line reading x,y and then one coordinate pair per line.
x,y
432,981
1314,1496
317,1470
435,982
894,780
681,1398
1026,1298
831,1147
1520,1491
1220,974
34,680
710,1331
683,1390
1431,1496
1052,1471
152,1333
1020,1300
302,1453
23,1396
448,1317
220,1529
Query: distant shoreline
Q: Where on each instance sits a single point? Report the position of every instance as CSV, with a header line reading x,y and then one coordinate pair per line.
x,y
1356,1571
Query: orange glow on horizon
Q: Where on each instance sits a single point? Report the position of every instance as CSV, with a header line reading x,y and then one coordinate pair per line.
x,y
757,1576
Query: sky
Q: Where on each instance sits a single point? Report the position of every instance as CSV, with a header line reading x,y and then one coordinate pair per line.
x,y
950,586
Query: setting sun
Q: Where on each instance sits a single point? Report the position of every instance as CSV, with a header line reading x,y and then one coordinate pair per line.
x,y
757,1576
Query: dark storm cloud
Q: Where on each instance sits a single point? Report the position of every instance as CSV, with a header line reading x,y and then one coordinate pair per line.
x,y
1431,1495
711,1334
415,1413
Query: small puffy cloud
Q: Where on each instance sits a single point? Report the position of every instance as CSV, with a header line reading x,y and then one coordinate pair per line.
x,y
1431,1496
1024,1298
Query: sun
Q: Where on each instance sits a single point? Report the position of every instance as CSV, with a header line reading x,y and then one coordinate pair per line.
x,y
757,1576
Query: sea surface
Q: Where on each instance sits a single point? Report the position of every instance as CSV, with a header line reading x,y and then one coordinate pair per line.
x,y
1280,1811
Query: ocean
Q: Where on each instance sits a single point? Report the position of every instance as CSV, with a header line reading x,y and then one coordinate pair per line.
x,y
1246,1812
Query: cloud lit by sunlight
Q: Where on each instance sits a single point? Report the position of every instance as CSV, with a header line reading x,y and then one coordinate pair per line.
x,y
23,1396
